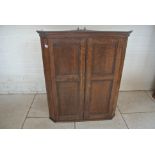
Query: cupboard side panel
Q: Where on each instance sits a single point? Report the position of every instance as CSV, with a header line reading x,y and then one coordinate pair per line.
x,y
53,91
48,78
121,50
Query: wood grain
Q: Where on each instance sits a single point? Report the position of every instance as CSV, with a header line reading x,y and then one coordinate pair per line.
x,y
83,72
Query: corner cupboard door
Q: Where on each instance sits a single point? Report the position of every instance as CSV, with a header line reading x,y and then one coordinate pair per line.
x,y
102,77
68,69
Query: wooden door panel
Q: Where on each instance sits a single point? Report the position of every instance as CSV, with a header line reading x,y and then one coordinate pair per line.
x,y
66,58
68,77
100,72
68,98
103,57
99,97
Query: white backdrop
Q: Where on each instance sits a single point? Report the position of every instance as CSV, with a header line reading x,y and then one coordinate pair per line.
x,y
21,69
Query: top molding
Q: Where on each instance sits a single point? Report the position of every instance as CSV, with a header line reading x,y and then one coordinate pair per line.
x,y
85,32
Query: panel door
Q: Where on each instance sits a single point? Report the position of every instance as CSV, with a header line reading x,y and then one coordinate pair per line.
x,y
68,68
102,80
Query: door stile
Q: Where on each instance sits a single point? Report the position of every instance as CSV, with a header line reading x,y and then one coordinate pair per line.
x,y
53,79
82,77
88,78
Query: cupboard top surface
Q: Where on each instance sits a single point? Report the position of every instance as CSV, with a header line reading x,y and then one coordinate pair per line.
x,y
85,33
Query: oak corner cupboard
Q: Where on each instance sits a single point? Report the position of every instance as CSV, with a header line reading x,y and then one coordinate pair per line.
x,y
82,73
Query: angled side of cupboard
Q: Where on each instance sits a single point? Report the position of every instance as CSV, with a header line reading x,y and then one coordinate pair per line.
x,y
82,72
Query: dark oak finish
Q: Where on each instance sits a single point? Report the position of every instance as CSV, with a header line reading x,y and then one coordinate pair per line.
x,y
153,95
82,72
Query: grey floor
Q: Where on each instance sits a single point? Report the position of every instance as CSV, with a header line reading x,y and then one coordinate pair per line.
x,y
136,109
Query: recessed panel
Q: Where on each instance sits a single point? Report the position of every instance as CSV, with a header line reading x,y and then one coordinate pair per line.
x,y
68,98
100,97
103,59
66,58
